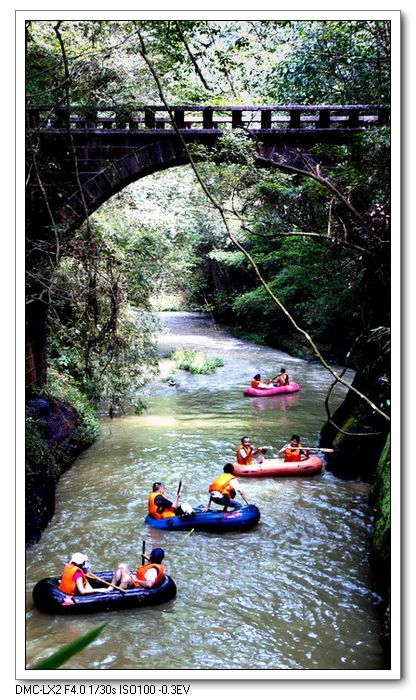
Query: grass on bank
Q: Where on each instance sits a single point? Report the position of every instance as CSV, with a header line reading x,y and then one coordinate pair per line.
x,y
195,361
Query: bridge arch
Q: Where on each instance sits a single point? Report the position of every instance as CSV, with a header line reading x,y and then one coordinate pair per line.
x,y
140,162
78,161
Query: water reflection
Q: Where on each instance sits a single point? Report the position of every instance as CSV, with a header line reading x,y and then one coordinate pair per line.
x,y
274,403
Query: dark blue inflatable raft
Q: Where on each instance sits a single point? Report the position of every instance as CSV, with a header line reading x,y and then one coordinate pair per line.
x,y
48,598
210,521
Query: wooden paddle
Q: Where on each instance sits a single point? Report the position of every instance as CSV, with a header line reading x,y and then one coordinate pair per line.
x,y
317,449
97,578
187,534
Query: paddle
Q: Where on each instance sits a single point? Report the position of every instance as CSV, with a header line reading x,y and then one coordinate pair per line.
x,y
176,499
187,534
318,449
143,552
101,580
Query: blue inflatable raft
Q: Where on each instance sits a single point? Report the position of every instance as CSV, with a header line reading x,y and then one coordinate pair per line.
x,y
211,521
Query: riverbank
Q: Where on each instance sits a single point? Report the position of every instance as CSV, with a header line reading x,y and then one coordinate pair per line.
x,y
56,434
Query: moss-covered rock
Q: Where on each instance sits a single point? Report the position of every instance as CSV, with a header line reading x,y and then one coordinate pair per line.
x,y
357,432
56,433
380,552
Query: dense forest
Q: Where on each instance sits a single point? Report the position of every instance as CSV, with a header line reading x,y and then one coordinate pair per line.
x,y
320,242
316,224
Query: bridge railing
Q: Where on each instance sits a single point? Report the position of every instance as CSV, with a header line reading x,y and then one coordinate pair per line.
x,y
208,118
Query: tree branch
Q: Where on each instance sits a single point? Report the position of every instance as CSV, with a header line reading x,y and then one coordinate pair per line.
x,y
242,249
191,56
322,181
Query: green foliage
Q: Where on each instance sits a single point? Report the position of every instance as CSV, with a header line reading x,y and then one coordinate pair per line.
x,y
101,331
249,336
330,285
332,62
67,651
380,498
212,62
228,258
63,386
195,361
37,456
232,147
59,426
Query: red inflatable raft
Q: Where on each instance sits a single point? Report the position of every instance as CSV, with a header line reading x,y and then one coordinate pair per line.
x,y
277,467
287,389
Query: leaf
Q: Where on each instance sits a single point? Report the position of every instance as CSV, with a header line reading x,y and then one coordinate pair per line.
x,y
59,657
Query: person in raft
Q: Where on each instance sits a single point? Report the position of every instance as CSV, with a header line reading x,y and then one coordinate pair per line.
x,y
256,383
145,576
281,378
160,507
293,451
74,577
246,452
224,488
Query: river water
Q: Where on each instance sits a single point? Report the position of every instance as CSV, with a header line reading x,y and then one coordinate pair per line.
x,y
294,593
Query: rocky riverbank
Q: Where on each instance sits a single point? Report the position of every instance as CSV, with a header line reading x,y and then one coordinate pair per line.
x,y
56,433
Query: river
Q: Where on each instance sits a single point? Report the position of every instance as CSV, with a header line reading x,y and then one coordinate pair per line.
x,y
294,593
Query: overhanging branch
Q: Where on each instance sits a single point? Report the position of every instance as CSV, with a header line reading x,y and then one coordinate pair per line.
x,y
220,210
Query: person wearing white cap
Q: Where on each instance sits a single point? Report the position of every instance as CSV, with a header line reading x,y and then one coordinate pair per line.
x,y
73,580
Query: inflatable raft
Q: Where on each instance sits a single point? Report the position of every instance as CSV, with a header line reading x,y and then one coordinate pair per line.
x,y
287,389
48,598
277,467
210,521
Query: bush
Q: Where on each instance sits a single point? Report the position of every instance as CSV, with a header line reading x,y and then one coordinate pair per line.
x,y
63,387
195,361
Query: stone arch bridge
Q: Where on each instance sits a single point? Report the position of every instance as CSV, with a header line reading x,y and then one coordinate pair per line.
x,y
78,158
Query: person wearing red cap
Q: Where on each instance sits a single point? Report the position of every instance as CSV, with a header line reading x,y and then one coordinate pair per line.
x,y
146,576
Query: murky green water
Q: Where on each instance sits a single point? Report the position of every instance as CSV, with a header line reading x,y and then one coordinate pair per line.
x,y
293,593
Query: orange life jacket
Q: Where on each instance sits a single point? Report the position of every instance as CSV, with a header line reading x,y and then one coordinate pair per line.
x,y
141,570
67,584
248,451
283,380
222,484
155,511
254,384
292,454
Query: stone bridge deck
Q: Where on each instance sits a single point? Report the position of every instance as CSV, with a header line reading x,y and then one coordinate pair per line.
x,y
79,158
262,120
104,149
